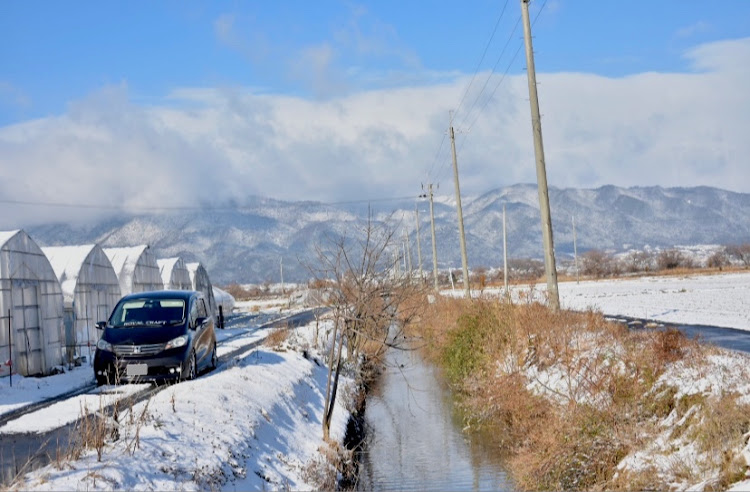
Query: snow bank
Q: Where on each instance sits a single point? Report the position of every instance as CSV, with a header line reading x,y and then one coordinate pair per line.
x,y
255,423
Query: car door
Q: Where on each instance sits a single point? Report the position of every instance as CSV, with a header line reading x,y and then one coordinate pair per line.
x,y
203,331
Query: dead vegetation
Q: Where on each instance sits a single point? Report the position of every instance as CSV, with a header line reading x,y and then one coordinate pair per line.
x,y
569,396
277,338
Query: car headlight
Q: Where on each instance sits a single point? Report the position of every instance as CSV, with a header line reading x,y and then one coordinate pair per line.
x,y
176,342
104,345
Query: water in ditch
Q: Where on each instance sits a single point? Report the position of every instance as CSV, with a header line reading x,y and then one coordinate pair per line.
x,y
415,439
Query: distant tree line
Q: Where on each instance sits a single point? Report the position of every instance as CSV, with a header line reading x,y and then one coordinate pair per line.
x,y
600,264
596,263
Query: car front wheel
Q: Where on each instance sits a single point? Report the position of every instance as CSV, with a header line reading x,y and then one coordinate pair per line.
x,y
191,368
214,358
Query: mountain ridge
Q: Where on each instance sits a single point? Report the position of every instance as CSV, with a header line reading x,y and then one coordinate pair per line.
x,y
247,243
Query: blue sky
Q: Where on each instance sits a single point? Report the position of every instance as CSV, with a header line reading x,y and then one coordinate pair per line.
x,y
55,52
183,83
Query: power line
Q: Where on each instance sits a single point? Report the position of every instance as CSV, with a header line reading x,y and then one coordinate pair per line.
x,y
505,73
99,206
479,64
492,72
437,155
463,97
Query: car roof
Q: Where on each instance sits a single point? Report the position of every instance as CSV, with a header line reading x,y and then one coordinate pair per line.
x,y
164,294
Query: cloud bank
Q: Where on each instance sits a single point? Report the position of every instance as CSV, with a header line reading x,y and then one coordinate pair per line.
x,y
218,145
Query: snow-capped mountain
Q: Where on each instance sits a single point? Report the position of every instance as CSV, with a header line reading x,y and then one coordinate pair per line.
x,y
247,244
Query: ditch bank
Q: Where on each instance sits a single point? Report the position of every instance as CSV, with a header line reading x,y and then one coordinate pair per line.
x,y
580,403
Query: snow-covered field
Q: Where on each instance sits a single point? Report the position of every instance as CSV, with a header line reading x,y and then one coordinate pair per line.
x,y
710,300
254,423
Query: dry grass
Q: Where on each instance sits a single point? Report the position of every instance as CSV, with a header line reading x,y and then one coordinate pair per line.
x,y
277,338
571,431
332,463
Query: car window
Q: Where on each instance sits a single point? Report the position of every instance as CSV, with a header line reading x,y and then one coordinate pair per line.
x,y
202,309
193,313
148,312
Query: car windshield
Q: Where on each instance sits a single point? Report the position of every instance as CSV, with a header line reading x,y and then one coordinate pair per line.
x,y
148,312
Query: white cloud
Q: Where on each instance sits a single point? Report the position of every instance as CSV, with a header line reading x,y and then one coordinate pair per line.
x,y
219,144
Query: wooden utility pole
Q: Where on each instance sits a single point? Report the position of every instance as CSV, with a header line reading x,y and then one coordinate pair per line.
x,y
419,243
541,172
461,235
434,244
505,255
575,250
408,252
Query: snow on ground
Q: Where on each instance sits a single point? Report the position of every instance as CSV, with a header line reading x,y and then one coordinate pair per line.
x,y
254,423
70,410
711,300
721,300
26,391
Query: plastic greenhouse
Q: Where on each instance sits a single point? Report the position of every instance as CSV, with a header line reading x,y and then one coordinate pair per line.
x,y
136,269
31,308
174,274
201,282
90,291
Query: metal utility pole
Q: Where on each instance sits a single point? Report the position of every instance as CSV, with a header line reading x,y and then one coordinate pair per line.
x,y
434,244
281,270
541,172
575,250
419,243
461,235
505,254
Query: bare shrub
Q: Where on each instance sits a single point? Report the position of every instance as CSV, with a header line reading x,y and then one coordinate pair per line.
x,y
718,259
332,462
525,269
669,259
638,261
478,277
739,253
238,292
597,263
276,338
368,296
669,346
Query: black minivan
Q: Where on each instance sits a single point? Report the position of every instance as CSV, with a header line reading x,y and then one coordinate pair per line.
x,y
156,336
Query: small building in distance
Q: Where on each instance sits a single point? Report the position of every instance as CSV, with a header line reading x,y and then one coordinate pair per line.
x,y
174,274
31,308
90,291
136,269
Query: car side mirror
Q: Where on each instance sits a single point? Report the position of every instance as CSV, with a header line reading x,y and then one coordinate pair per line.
x,y
100,325
199,322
